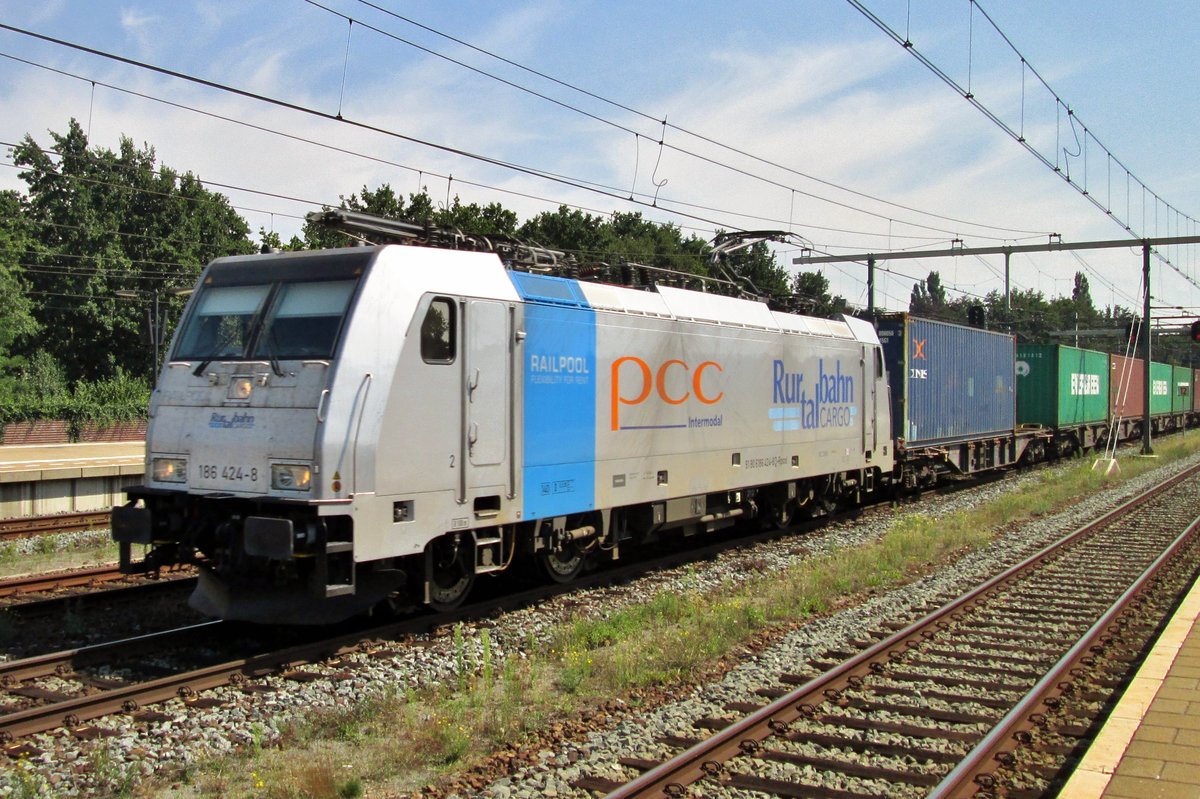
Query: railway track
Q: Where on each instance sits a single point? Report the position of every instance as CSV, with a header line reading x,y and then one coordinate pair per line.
x,y
77,686
83,689
989,695
32,526
57,581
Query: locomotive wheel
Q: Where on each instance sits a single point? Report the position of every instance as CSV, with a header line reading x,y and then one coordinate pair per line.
x,y
562,566
778,512
451,573
780,515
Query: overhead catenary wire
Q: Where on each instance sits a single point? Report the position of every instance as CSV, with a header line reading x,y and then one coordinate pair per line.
x,y
358,124
613,192
1060,105
424,171
662,120
579,183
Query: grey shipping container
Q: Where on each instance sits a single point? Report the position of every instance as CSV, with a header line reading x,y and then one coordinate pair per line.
x,y
949,383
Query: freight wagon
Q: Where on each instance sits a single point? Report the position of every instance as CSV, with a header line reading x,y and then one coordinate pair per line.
x,y
953,398
1170,397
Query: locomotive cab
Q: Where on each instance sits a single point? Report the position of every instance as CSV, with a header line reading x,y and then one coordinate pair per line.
x,y
232,442
286,456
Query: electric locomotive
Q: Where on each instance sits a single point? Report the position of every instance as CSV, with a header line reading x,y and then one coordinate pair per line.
x,y
340,428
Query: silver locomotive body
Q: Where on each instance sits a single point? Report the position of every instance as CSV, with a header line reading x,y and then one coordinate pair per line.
x,y
335,428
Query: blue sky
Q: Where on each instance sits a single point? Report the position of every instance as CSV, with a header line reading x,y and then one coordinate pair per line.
x,y
811,88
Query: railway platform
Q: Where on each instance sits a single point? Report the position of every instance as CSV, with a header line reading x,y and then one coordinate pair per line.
x,y
41,479
34,461
1150,746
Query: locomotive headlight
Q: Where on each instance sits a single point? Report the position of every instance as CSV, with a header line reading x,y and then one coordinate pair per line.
x,y
240,388
291,476
169,470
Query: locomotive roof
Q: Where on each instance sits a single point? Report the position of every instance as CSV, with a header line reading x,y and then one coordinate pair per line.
x,y
660,301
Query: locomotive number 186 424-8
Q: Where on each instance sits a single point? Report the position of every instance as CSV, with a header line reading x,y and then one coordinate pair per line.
x,y
232,473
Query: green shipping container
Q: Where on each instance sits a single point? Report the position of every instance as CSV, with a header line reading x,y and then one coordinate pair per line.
x,y
1059,386
1181,389
1160,388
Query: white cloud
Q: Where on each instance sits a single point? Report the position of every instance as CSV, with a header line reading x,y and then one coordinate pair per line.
x,y
138,27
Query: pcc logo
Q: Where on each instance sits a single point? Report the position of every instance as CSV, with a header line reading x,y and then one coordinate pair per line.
x,y
674,382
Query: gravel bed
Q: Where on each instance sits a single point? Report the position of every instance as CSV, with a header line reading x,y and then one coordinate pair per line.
x,y
136,750
54,542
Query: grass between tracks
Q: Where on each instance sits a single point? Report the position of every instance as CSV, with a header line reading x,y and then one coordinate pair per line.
x,y
51,553
401,741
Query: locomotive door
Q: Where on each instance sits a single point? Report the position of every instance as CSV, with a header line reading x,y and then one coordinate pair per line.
x,y
485,391
872,366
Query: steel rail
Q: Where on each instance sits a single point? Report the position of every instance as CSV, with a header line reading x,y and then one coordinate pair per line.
x,y
55,662
33,526
43,606
674,776
34,583
130,698
973,771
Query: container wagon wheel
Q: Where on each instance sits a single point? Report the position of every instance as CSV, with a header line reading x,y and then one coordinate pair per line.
x,y
449,571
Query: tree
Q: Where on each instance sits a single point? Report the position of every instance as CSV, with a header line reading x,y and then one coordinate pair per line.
x,y
928,298
17,323
1030,316
811,290
565,229
485,220
481,220
102,222
620,239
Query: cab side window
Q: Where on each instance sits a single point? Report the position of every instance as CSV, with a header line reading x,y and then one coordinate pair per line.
x,y
438,342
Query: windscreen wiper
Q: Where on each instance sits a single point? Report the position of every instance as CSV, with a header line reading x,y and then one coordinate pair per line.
x,y
225,341
276,367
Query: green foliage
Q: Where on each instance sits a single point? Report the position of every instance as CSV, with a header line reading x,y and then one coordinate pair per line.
x,y
812,297
17,322
42,393
116,399
351,788
99,222
272,241
928,298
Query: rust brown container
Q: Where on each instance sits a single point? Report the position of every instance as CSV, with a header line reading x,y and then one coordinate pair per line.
x,y
1126,387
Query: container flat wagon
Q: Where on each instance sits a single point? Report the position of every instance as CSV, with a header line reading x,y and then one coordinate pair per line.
x,y
953,397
